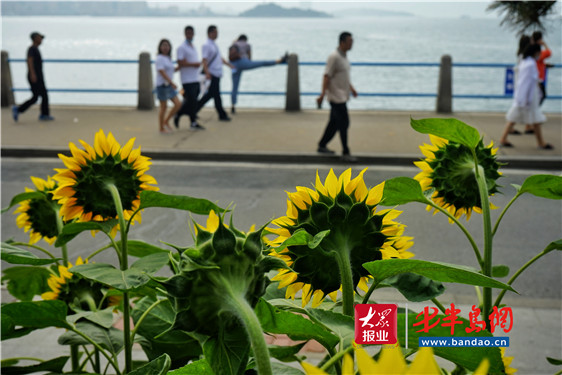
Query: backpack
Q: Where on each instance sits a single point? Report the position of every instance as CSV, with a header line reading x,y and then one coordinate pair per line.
x,y
233,53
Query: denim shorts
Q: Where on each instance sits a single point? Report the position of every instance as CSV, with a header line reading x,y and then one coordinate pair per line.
x,y
165,92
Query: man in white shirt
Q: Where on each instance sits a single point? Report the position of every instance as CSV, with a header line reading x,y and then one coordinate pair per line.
x,y
337,84
188,61
212,66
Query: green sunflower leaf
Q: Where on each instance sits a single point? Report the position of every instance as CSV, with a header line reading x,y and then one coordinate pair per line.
x,y
554,361
500,271
448,128
69,231
543,185
341,325
23,197
415,288
54,365
200,367
108,338
106,274
103,318
25,315
282,369
159,366
24,283
15,255
555,245
402,190
302,237
180,346
179,202
383,269
466,358
141,249
229,352
285,353
297,327
151,263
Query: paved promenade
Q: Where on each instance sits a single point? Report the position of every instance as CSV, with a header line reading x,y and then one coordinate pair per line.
x,y
380,137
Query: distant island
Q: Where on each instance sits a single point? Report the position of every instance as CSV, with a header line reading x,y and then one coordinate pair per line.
x,y
139,9
370,12
274,10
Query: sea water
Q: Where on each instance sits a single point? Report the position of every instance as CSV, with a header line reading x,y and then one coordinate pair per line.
x,y
382,39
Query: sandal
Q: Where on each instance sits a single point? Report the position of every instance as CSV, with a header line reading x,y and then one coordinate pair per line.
x,y
506,144
515,132
529,131
547,146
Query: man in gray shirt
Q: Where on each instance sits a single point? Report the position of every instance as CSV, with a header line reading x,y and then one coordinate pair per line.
x,y
337,85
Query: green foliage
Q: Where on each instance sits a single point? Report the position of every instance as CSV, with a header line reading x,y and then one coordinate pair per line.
x,y
200,367
108,338
414,287
141,249
159,366
448,128
523,15
23,197
382,269
178,202
71,230
24,315
24,283
54,365
16,255
177,344
107,274
543,185
297,327
402,190
228,351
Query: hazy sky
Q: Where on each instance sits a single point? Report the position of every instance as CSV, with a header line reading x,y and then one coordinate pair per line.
x,y
475,9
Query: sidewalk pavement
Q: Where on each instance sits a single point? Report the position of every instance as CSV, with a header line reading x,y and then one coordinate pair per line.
x,y
266,135
258,135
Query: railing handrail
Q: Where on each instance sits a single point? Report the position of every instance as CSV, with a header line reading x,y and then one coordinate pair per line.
x,y
303,63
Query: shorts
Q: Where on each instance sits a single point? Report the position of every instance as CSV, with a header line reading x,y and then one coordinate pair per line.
x,y
164,92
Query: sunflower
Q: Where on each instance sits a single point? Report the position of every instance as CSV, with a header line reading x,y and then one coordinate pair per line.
x,y
76,291
448,170
506,362
391,362
38,216
83,191
358,231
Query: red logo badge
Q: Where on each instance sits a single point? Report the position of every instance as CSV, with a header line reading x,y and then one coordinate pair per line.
x,y
376,324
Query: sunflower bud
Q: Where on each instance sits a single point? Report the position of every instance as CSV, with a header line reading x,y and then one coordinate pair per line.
x,y
224,263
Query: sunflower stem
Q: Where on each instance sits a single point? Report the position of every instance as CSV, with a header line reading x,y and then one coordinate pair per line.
x,y
464,230
439,305
124,263
344,264
334,359
372,288
242,309
503,213
488,237
97,346
143,316
99,251
64,249
516,275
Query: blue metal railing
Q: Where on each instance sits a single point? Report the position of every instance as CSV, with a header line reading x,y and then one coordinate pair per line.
x,y
303,63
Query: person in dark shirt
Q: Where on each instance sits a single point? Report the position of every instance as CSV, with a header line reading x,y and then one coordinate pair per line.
x,y
36,81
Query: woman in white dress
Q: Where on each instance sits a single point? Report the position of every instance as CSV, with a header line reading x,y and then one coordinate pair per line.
x,y
165,86
526,98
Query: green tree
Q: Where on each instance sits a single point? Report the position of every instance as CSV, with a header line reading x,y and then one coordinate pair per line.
x,y
523,15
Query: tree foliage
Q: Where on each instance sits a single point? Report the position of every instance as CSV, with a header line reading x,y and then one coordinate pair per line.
x,y
523,15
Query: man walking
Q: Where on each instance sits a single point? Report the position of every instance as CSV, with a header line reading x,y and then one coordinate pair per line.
x,y
212,66
337,84
188,62
36,81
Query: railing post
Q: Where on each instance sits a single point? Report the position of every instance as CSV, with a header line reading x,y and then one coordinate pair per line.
x,y
145,97
445,86
7,95
293,95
